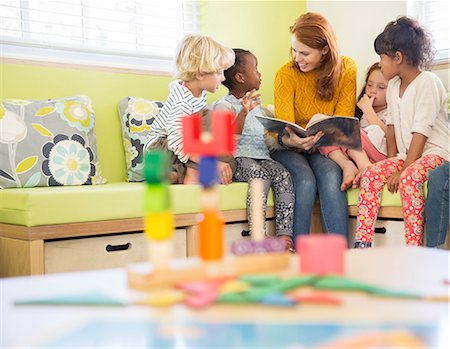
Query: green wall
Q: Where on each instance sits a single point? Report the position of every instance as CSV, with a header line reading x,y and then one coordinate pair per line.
x,y
260,26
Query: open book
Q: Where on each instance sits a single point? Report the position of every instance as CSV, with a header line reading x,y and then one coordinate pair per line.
x,y
338,130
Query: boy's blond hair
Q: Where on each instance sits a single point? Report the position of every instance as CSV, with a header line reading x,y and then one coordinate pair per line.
x,y
197,54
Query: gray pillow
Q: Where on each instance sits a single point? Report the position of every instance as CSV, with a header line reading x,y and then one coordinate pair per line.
x,y
136,117
48,143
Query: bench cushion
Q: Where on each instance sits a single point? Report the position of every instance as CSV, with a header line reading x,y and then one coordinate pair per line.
x,y
387,198
59,205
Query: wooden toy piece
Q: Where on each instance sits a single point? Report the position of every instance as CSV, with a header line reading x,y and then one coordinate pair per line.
x,y
198,301
198,270
277,299
316,297
208,171
209,199
220,141
159,225
161,252
241,247
321,254
258,215
163,298
156,166
156,198
210,236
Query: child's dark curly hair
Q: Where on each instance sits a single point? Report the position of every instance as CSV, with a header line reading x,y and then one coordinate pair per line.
x,y
407,36
238,65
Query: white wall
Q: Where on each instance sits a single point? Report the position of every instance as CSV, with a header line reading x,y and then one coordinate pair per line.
x,y
357,24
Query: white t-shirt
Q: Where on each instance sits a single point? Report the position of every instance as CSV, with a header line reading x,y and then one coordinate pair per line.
x,y
422,109
167,123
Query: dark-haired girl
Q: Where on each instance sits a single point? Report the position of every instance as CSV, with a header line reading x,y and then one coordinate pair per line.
x,y
417,130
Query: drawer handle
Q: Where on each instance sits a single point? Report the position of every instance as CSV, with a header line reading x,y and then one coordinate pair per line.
x,y
380,230
112,248
245,233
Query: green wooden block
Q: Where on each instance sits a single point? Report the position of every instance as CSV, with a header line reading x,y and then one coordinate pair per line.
x,y
231,297
157,166
260,280
156,198
382,292
333,282
257,293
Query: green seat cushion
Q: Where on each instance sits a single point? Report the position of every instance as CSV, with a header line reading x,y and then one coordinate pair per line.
x,y
59,205
387,198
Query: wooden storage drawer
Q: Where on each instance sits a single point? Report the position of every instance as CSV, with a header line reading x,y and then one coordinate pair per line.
x,y
110,251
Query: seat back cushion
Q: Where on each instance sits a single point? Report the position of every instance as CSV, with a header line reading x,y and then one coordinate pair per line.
x,y
48,143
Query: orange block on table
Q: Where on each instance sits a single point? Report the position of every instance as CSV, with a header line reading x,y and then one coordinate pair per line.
x,y
210,231
321,254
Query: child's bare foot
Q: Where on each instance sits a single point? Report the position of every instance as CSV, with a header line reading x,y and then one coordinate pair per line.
x,y
350,171
288,242
191,176
173,178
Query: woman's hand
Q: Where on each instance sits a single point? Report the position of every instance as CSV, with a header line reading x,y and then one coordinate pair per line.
x,y
225,173
393,182
303,144
250,100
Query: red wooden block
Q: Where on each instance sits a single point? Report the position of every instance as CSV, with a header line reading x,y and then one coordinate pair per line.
x,y
321,254
319,297
220,141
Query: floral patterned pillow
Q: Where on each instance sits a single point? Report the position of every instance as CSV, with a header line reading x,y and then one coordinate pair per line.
x,y
136,117
48,143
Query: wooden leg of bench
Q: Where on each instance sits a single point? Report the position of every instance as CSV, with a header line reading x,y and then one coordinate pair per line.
x,y
316,221
191,241
20,257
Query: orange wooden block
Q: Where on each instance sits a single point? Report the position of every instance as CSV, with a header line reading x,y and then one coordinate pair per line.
x,y
210,234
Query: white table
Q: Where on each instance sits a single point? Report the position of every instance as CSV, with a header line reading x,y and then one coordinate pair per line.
x,y
414,269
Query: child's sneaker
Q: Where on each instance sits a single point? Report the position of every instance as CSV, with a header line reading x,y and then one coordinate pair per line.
x,y
362,244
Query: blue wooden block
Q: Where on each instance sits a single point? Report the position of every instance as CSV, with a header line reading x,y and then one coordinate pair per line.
x,y
208,171
278,299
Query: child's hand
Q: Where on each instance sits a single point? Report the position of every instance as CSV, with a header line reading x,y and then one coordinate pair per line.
x,y
225,173
250,100
365,103
393,182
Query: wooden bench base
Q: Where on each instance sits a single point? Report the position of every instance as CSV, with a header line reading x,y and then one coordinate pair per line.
x,y
40,250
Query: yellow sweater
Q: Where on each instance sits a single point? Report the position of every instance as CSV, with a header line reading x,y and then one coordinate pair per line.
x,y
296,100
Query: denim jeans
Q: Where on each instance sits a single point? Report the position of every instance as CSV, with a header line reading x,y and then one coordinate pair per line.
x,y
437,207
311,173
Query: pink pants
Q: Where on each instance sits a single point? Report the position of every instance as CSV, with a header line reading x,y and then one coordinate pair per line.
x,y
372,152
411,193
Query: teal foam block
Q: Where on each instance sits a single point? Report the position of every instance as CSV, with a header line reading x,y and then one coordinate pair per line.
x,y
88,299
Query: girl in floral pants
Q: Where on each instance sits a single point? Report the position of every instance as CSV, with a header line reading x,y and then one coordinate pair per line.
x,y
417,131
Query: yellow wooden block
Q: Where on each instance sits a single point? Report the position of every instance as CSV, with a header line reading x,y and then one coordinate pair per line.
x,y
159,226
163,298
234,286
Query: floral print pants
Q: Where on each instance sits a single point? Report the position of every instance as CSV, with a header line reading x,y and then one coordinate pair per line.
x,y
411,193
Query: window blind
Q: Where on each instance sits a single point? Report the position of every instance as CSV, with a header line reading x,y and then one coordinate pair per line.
x,y
123,33
434,16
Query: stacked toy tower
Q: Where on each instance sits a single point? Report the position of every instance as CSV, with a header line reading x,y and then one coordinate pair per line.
x,y
209,145
159,225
